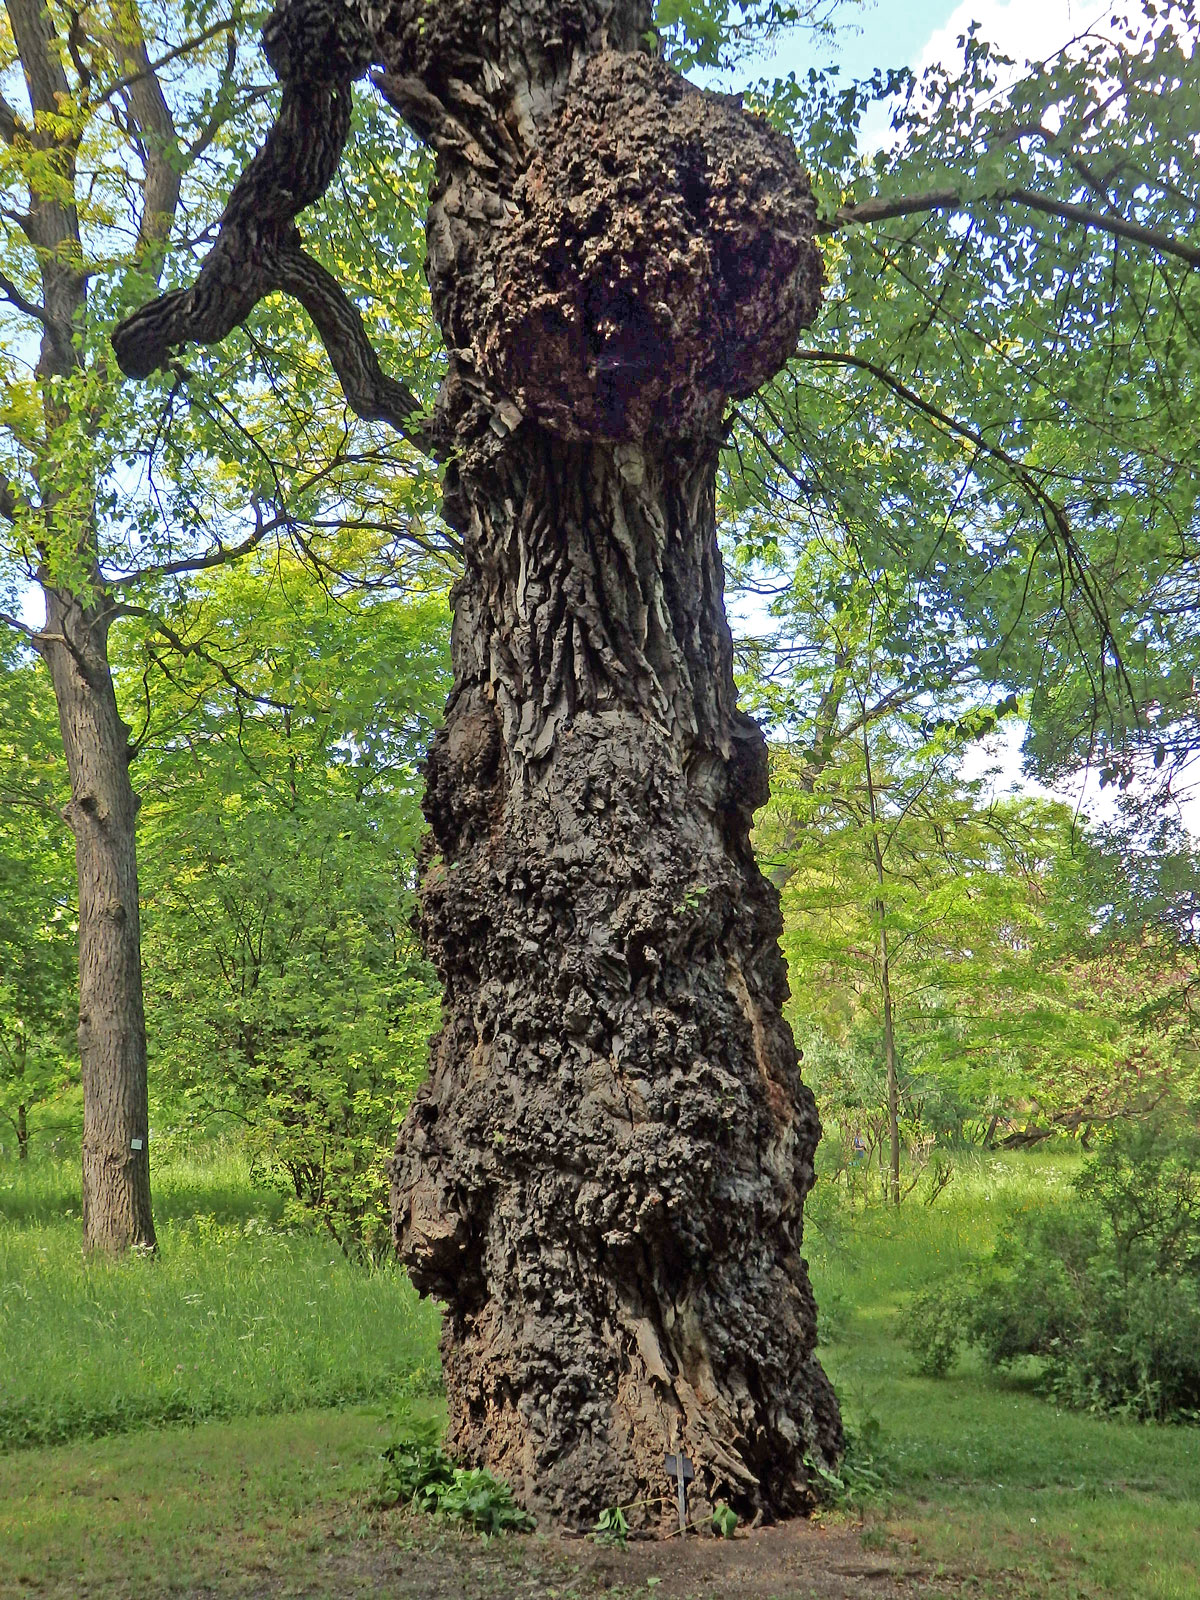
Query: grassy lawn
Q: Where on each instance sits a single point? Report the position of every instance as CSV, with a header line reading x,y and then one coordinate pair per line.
x,y
233,1318
989,1478
993,1491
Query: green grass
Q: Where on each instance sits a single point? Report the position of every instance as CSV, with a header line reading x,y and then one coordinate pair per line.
x,y
233,1318
989,1477
993,1491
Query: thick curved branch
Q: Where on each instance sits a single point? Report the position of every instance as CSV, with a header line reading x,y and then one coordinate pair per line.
x,y
258,247
1066,210
369,392
296,162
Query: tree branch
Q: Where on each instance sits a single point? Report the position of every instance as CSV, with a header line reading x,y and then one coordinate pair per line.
x,y
1054,517
148,68
369,392
184,649
33,33
1066,210
258,247
8,500
15,298
11,126
32,634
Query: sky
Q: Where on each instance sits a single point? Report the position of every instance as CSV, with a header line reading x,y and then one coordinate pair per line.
x,y
918,33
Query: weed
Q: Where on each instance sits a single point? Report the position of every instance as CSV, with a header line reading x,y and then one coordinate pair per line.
x,y
612,1527
724,1520
419,1474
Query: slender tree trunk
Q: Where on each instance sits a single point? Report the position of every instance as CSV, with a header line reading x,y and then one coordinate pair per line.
x,y
22,1134
102,815
889,1057
603,1178
885,983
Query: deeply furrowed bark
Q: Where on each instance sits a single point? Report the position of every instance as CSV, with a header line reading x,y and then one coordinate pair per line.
x,y
603,1178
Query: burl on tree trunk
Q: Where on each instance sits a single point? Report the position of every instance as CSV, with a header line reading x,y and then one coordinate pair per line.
x,y
604,1176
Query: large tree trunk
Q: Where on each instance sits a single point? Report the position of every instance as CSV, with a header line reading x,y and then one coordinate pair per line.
x,y
112,1031
603,1178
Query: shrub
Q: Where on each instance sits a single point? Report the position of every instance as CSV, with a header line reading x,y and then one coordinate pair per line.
x,y
1104,1290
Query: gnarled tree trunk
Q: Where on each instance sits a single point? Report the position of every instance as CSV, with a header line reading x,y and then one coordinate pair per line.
x,y
603,1178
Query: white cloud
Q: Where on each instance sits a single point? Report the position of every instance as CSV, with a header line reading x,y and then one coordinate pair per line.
x,y
1027,30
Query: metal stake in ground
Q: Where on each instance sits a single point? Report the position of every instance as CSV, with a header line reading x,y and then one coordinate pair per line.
x,y
681,1469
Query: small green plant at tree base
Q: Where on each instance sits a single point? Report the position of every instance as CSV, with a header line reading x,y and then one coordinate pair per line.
x,y
612,1527
724,1520
864,1473
418,1473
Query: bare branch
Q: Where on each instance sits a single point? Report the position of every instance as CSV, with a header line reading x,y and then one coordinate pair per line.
x,y
224,554
35,638
15,298
183,648
1054,517
150,68
221,556
1066,210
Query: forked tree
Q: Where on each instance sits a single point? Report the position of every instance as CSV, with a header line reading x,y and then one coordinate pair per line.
x,y
604,1176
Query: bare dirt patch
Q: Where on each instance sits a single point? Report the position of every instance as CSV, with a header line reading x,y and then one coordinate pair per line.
x,y
402,1556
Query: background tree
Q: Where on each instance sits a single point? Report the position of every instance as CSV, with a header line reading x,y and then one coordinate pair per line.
x,y
37,908
279,840
117,127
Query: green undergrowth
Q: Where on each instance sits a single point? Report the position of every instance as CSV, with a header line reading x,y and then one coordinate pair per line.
x,y
234,1317
978,1470
419,1476
975,1481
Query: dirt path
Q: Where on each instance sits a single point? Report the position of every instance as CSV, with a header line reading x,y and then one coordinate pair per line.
x,y
403,1557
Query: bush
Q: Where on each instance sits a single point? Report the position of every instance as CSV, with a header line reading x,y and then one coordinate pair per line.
x,y
419,1474
1104,1291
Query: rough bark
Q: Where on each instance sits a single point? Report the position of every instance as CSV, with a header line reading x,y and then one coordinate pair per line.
x,y
603,1178
102,815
